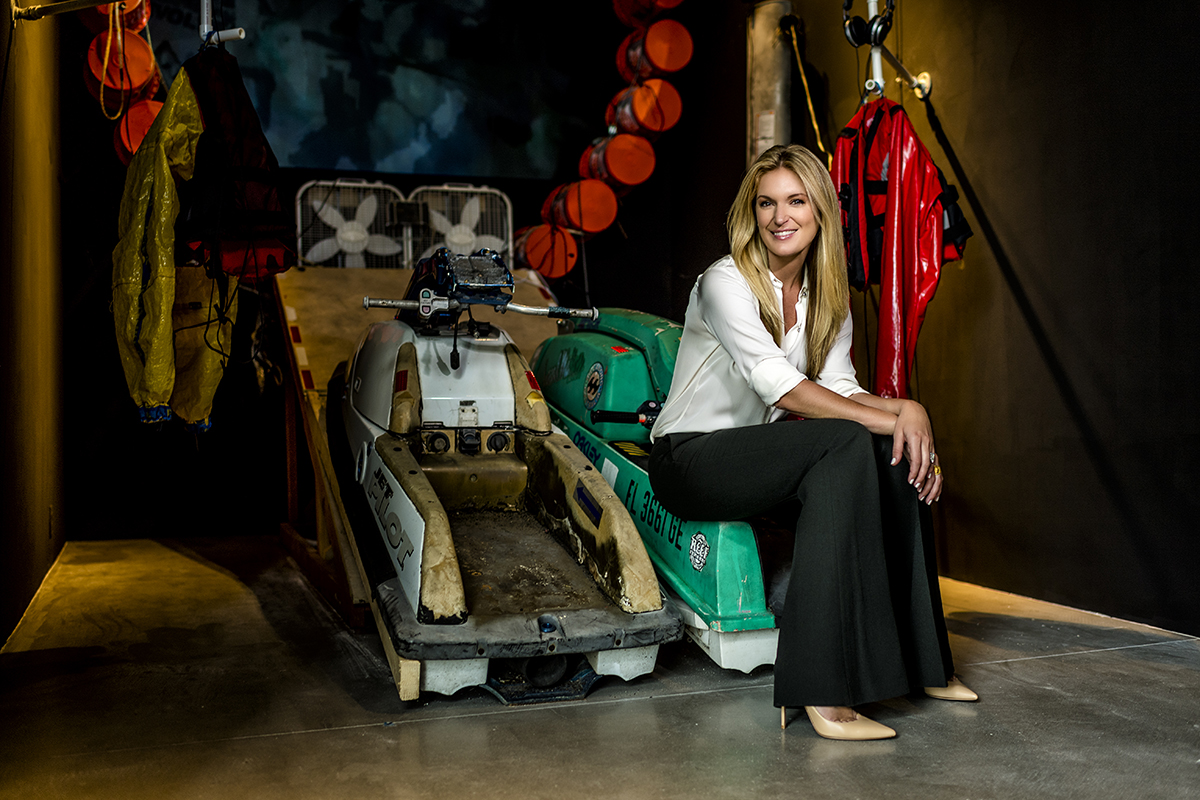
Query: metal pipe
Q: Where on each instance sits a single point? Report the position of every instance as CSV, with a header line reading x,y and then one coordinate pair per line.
x,y
875,84
768,79
921,84
210,36
37,12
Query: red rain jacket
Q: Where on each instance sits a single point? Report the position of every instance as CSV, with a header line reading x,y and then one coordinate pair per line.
x,y
901,223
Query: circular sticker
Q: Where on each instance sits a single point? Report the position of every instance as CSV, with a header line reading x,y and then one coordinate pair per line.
x,y
698,552
593,385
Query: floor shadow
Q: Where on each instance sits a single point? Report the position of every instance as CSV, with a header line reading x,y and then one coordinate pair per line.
x,y
310,629
1023,637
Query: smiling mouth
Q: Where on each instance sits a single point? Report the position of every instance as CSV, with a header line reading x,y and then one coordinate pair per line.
x,y
783,234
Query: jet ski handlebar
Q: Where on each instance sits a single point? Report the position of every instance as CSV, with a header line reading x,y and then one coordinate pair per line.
x,y
557,312
427,305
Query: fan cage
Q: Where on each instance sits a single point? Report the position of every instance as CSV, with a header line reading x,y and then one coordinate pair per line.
x,y
431,217
449,201
345,197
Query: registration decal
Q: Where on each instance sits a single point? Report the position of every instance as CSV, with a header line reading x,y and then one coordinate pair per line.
x,y
698,553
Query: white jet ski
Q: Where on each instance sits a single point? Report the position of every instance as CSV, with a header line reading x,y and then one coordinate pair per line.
x,y
488,538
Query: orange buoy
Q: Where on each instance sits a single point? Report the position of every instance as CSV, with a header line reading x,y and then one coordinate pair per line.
x,y
622,161
635,12
645,110
588,205
663,46
546,248
132,73
132,128
137,14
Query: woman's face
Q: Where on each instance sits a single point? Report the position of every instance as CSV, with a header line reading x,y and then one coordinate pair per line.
x,y
786,221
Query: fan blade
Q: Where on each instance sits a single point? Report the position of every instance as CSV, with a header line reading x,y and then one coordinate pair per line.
x,y
491,242
328,214
323,251
470,213
382,245
439,222
366,211
355,261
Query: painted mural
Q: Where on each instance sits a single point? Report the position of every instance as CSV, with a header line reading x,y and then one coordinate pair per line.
x,y
453,87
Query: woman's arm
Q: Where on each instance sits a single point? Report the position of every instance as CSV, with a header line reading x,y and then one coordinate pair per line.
x,y
912,437
904,420
810,400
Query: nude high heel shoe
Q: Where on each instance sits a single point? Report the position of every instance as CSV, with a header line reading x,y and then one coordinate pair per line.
x,y
860,730
953,690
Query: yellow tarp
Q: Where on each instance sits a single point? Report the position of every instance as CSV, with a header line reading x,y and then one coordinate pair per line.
x,y
170,333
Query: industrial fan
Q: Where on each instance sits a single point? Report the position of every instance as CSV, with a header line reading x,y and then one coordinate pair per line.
x,y
463,218
342,223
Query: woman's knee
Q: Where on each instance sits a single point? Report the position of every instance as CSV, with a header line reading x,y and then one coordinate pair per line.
x,y
850,436
846,456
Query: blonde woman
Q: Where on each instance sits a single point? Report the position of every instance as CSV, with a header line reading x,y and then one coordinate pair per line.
x,y
766,338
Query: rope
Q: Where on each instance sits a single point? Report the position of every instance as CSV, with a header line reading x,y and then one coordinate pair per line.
x,y
114,12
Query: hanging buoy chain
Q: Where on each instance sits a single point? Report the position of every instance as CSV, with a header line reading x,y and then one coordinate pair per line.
x,y
556,212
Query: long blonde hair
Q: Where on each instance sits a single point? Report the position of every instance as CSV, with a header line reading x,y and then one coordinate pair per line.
x,y
828,287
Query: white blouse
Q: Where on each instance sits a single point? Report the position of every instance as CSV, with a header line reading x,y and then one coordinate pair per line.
x,y
729,372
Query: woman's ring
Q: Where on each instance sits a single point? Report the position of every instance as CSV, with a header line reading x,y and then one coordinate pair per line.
x,y
932,457
937,470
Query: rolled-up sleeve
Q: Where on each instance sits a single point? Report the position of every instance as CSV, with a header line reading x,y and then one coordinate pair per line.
x,y
730,312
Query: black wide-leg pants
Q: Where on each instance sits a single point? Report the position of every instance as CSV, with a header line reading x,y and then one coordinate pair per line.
x,y
863,617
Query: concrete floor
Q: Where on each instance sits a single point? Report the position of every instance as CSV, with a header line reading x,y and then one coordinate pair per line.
x,y
210,668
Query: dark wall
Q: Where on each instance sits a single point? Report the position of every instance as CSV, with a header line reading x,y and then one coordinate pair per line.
x,y
1059,358
673,226
31,494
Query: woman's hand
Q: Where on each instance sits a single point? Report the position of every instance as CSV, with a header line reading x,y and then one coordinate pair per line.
x,y
904,420
913,438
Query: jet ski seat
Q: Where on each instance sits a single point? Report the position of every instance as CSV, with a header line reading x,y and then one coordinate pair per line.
x,y
494,477
531,412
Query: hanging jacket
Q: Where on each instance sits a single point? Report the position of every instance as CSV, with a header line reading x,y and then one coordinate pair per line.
x,y
901,222
230,215
144,258
200,212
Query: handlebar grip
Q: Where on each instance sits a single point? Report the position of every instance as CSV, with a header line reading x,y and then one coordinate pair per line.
x,y
558,312
555,312
378,302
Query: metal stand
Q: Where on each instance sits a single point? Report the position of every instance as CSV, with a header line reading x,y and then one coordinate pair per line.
x,y
921,84
210,36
